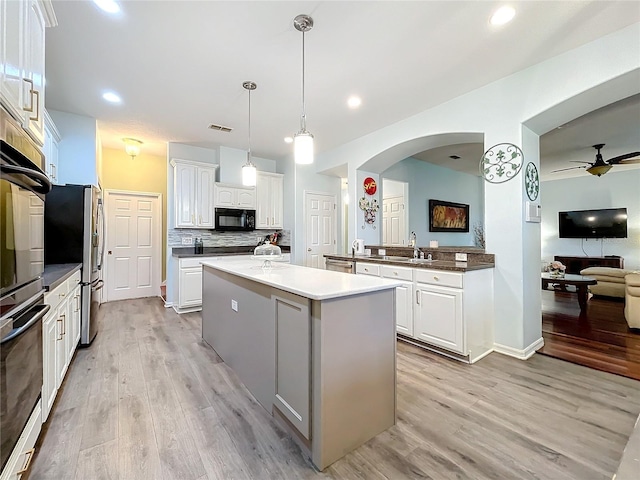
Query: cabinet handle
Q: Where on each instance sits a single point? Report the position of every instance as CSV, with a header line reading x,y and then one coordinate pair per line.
x,y
395,273
37,117
62,294
418,297
27,464
64,327
31,90
77,304
436,278
59,320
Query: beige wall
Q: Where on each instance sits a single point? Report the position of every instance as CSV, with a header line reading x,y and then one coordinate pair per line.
x,y
144,173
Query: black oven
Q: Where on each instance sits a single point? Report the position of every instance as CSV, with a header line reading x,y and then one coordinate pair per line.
x,y
20,371
23,186
235,220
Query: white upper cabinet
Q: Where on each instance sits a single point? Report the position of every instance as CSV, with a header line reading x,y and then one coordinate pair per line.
x,y
234,196
51,140
269,204
193,194
22,24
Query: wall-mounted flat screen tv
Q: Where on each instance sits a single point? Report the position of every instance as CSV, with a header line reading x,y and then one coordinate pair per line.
x,y
605,223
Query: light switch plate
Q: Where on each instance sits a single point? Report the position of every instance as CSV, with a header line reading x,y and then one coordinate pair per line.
x,y
382,251
234,305
187,240
461,257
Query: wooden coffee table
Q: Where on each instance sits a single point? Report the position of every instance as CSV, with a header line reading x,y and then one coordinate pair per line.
x,y
579,281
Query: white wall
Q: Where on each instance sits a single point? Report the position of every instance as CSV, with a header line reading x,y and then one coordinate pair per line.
x,y
427,181
78,148
231,161
613,190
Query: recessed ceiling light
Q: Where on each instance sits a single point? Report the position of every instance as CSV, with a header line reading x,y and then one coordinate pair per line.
x,y
354,101
109,6
502,15
111,97
288,139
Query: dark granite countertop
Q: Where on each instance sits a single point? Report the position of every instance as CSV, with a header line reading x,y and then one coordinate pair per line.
x,y
436,265
186,252
57,273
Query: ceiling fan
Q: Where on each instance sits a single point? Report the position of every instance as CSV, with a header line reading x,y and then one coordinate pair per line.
x,y
600,167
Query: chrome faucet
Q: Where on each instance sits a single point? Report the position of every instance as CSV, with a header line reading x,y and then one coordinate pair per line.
x,y
429,258
414,244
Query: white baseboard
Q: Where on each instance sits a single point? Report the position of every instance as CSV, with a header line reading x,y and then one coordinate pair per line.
x,y
517,353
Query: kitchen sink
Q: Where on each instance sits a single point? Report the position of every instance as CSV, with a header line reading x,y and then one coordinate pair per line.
x,y
421,260
389,257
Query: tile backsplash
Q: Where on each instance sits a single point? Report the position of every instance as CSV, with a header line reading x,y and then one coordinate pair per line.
x,y
211,238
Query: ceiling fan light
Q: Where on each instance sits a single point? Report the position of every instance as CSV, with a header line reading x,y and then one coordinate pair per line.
x,y
599,170
303,148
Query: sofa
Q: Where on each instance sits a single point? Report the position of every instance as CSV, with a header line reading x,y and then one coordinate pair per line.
x,y
610,280
632,300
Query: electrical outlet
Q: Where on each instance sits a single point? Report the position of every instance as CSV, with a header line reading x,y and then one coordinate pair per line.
x,y
461,257
382,251
187,240
258,238
234,305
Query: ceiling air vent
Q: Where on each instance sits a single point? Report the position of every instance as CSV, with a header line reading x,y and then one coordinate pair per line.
x,y
220,128
454,157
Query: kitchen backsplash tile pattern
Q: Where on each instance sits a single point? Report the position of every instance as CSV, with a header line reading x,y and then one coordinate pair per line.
x,y
211,238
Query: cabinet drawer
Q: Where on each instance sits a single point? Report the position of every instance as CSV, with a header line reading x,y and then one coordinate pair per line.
x,y
57,295
194,261
74,280
22,455
397,273
367,269
439,277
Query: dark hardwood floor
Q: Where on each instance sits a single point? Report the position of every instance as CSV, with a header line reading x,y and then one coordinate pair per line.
x,y
598,337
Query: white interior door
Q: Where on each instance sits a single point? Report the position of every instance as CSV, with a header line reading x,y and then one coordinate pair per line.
x,y
133,245
320,228
393,221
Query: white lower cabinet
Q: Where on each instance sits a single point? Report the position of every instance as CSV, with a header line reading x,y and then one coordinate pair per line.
x,y
438,317
24,451
60,336
189,274
449,310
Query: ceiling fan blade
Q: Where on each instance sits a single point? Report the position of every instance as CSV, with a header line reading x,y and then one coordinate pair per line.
x,y
620,158
563,169
578,161
628,162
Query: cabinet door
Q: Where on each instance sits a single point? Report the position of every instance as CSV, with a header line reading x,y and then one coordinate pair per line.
x,y
185,195
12,53
33,93
49,372
50,155
190,287
224,196
204,204
277,202
78,318
62,357
246,198
73,333
263,201
404,308
438,317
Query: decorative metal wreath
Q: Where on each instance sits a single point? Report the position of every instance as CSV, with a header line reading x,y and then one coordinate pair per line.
x,y
531,181
501,163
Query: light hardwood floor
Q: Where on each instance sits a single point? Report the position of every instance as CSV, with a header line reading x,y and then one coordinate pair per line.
x,y
150,400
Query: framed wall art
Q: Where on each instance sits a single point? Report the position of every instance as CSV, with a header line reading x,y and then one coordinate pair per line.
x,y
448,216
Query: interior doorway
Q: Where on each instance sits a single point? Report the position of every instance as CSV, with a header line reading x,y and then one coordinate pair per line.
x,y
133,248
320,227
395,213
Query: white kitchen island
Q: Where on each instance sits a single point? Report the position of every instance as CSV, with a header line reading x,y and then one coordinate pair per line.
x,y
315,348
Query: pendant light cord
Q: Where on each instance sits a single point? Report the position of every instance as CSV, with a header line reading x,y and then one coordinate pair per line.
x,y
303,119
249,152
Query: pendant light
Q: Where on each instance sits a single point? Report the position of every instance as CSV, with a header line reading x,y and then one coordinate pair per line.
x,y
303,140
249,169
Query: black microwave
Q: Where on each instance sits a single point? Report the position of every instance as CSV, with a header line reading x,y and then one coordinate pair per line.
x,y
235,220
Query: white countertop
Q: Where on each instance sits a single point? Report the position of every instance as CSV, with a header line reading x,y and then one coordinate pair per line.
x,y
312,283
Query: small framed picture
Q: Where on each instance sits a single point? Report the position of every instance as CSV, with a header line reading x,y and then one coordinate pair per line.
x,y
448,216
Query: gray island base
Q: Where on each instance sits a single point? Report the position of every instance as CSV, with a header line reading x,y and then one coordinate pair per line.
x,y
317,349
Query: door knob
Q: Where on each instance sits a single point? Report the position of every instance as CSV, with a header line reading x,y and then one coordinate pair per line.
x,y
308,249
109,252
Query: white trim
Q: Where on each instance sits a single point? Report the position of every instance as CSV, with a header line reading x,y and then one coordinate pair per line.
x,y
481,356
304,221
524,354
157,261
173,162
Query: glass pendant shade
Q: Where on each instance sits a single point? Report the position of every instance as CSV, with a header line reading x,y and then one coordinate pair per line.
x,y
303,148
249,174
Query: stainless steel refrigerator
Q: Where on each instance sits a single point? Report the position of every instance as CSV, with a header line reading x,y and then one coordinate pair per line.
x,y
74,233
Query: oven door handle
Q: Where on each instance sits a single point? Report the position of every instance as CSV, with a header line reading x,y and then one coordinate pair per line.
x,y
19,331
42,180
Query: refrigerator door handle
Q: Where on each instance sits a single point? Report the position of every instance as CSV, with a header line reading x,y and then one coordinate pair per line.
x,y
98,286
102,233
